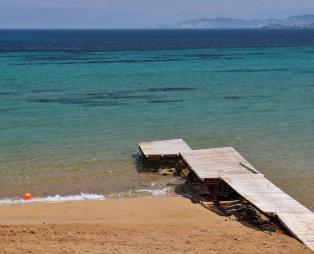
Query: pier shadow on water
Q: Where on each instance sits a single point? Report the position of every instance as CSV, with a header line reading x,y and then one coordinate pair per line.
x,y
144,166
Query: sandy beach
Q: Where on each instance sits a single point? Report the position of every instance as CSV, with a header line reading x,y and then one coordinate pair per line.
x,y
133,225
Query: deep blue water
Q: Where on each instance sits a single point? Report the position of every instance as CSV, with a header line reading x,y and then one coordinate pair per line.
x,y
74,104
88,41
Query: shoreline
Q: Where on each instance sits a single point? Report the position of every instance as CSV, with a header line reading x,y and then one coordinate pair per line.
x,y
132,225
51,199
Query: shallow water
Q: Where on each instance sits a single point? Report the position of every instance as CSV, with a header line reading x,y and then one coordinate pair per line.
x,y
74,104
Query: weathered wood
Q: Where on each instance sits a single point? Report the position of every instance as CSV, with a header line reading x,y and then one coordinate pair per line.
x,y
227,164
268,198
300,225
262,193
164,148
209,163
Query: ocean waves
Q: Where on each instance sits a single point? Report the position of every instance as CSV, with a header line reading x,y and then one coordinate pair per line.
x,y
53,199
88,196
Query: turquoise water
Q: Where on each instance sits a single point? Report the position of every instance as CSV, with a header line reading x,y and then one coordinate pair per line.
x,y
71,121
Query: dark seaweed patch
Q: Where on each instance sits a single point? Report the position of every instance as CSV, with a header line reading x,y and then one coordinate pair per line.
x,y
262,54
83,102
124,61
233,58
65,57
164,101
258,96
101,61
124,94
217,56
233,97
46,90
54,58
111,98
132,96
72,60
60,100
135,94
103,103
4,110
107,94
171,89
252,70
205,55
93,94
96,99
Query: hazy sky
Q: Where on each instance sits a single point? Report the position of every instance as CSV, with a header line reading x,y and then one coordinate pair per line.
x,y
137,13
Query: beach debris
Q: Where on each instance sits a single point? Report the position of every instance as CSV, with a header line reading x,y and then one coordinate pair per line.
x,y
184,172
27,196
166,171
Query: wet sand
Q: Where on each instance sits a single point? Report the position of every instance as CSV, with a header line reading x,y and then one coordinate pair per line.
x,y
133,225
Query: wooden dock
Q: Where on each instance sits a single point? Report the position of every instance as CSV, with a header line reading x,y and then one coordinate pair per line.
x,y
156,150
262,193
231,167
269,199
210,163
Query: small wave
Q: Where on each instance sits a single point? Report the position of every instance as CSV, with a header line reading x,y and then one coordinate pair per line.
x,y
159,192
56,198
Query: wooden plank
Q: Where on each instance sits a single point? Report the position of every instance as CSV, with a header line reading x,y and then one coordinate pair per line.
x,y
262,193
300,225
164,148
209,163
268,198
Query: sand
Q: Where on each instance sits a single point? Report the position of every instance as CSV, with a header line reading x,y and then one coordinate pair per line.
x,y
134,225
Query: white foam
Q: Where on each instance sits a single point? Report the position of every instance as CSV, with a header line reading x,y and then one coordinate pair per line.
x,y
85,196
158,192
56,198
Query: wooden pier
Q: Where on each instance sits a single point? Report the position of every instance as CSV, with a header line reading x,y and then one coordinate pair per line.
x,y
268,198
227,165
210,163
166,149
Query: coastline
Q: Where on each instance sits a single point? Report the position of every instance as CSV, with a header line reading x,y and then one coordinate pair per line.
x,y
132,225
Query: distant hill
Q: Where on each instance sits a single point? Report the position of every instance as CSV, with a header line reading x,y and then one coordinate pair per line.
x,y
303,21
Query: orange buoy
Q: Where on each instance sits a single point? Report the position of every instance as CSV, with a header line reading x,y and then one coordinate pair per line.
x,y
27,196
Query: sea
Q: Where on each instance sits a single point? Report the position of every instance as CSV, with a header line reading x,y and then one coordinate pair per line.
x,y
74,104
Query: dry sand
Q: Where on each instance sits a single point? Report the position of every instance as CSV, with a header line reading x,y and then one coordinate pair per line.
x,y
137,225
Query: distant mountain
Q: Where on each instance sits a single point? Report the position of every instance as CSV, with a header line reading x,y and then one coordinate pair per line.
x,y
296,26
303,21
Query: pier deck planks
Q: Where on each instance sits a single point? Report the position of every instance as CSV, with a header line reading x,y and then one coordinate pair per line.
x,y
209,163
164,148
300,225
268,198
